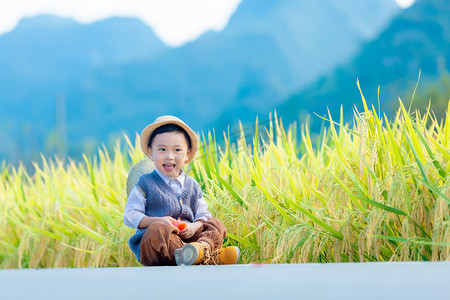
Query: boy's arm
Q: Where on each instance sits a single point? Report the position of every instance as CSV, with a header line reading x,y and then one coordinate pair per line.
x,y
146,221
201,211
134,208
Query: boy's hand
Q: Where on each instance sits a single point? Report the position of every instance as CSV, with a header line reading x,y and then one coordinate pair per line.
x,y
190,230
167,220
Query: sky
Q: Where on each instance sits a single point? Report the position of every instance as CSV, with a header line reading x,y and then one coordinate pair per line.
x,y
173,21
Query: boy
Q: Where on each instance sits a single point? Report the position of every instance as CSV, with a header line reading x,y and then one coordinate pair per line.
x,y
168,194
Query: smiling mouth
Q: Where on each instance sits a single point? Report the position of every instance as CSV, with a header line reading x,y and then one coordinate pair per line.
x,y
168,167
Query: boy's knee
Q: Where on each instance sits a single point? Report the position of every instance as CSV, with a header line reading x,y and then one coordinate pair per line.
x,y
216,223
156,224
157,228
213,221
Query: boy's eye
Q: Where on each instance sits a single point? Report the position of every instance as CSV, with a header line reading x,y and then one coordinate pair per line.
x,y
161,149
178,150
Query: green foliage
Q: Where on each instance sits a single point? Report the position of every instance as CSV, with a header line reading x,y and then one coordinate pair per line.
x,y
379,191
416,41
435,95
66,214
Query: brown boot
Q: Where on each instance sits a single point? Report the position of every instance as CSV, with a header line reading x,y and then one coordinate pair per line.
x,y
200,253
192,254
228,255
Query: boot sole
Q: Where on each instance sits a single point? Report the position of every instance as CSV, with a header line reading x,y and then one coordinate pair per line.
x,y
238,252
186,256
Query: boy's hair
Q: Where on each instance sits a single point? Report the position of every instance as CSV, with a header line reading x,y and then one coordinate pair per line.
x,y
169,128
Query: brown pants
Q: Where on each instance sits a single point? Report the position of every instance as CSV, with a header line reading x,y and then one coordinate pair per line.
x,y
160,241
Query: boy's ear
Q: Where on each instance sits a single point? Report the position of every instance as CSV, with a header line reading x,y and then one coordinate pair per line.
x,y
149,153
188,154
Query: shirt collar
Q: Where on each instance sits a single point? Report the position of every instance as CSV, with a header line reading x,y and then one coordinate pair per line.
x,y
167,179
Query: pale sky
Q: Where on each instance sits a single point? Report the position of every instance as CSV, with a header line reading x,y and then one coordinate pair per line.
x,y
173,21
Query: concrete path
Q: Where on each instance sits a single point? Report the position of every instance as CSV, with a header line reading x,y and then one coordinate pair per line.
x,y
410,280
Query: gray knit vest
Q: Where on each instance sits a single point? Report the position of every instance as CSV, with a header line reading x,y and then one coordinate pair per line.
x,y
162,201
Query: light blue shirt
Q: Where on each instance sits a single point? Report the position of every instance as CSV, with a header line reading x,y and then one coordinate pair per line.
x,y
135,206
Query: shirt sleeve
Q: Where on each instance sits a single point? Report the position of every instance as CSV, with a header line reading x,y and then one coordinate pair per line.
x,y
134,208
201,211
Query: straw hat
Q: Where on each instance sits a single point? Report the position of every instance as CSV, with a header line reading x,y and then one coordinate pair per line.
x,y
144,166
163,120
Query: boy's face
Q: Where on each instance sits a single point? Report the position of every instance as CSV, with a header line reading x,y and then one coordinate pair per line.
x,y
169,151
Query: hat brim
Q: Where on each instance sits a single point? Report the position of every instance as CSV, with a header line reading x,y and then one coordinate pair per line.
x,y
147,132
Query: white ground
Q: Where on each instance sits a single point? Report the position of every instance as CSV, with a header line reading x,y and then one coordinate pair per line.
x,y
412,280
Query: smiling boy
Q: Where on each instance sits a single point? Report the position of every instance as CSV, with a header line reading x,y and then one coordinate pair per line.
x,y
168,194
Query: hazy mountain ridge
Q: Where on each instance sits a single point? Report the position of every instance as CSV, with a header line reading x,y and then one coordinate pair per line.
x,y
46,47
416,41
45,56
254,63
333,43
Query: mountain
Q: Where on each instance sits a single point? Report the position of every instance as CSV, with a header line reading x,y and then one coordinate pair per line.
x,y
100,79
313,37
418,40
44,56
268,50
46,48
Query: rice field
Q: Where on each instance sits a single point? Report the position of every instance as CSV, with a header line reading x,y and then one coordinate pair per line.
x,y
378,190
